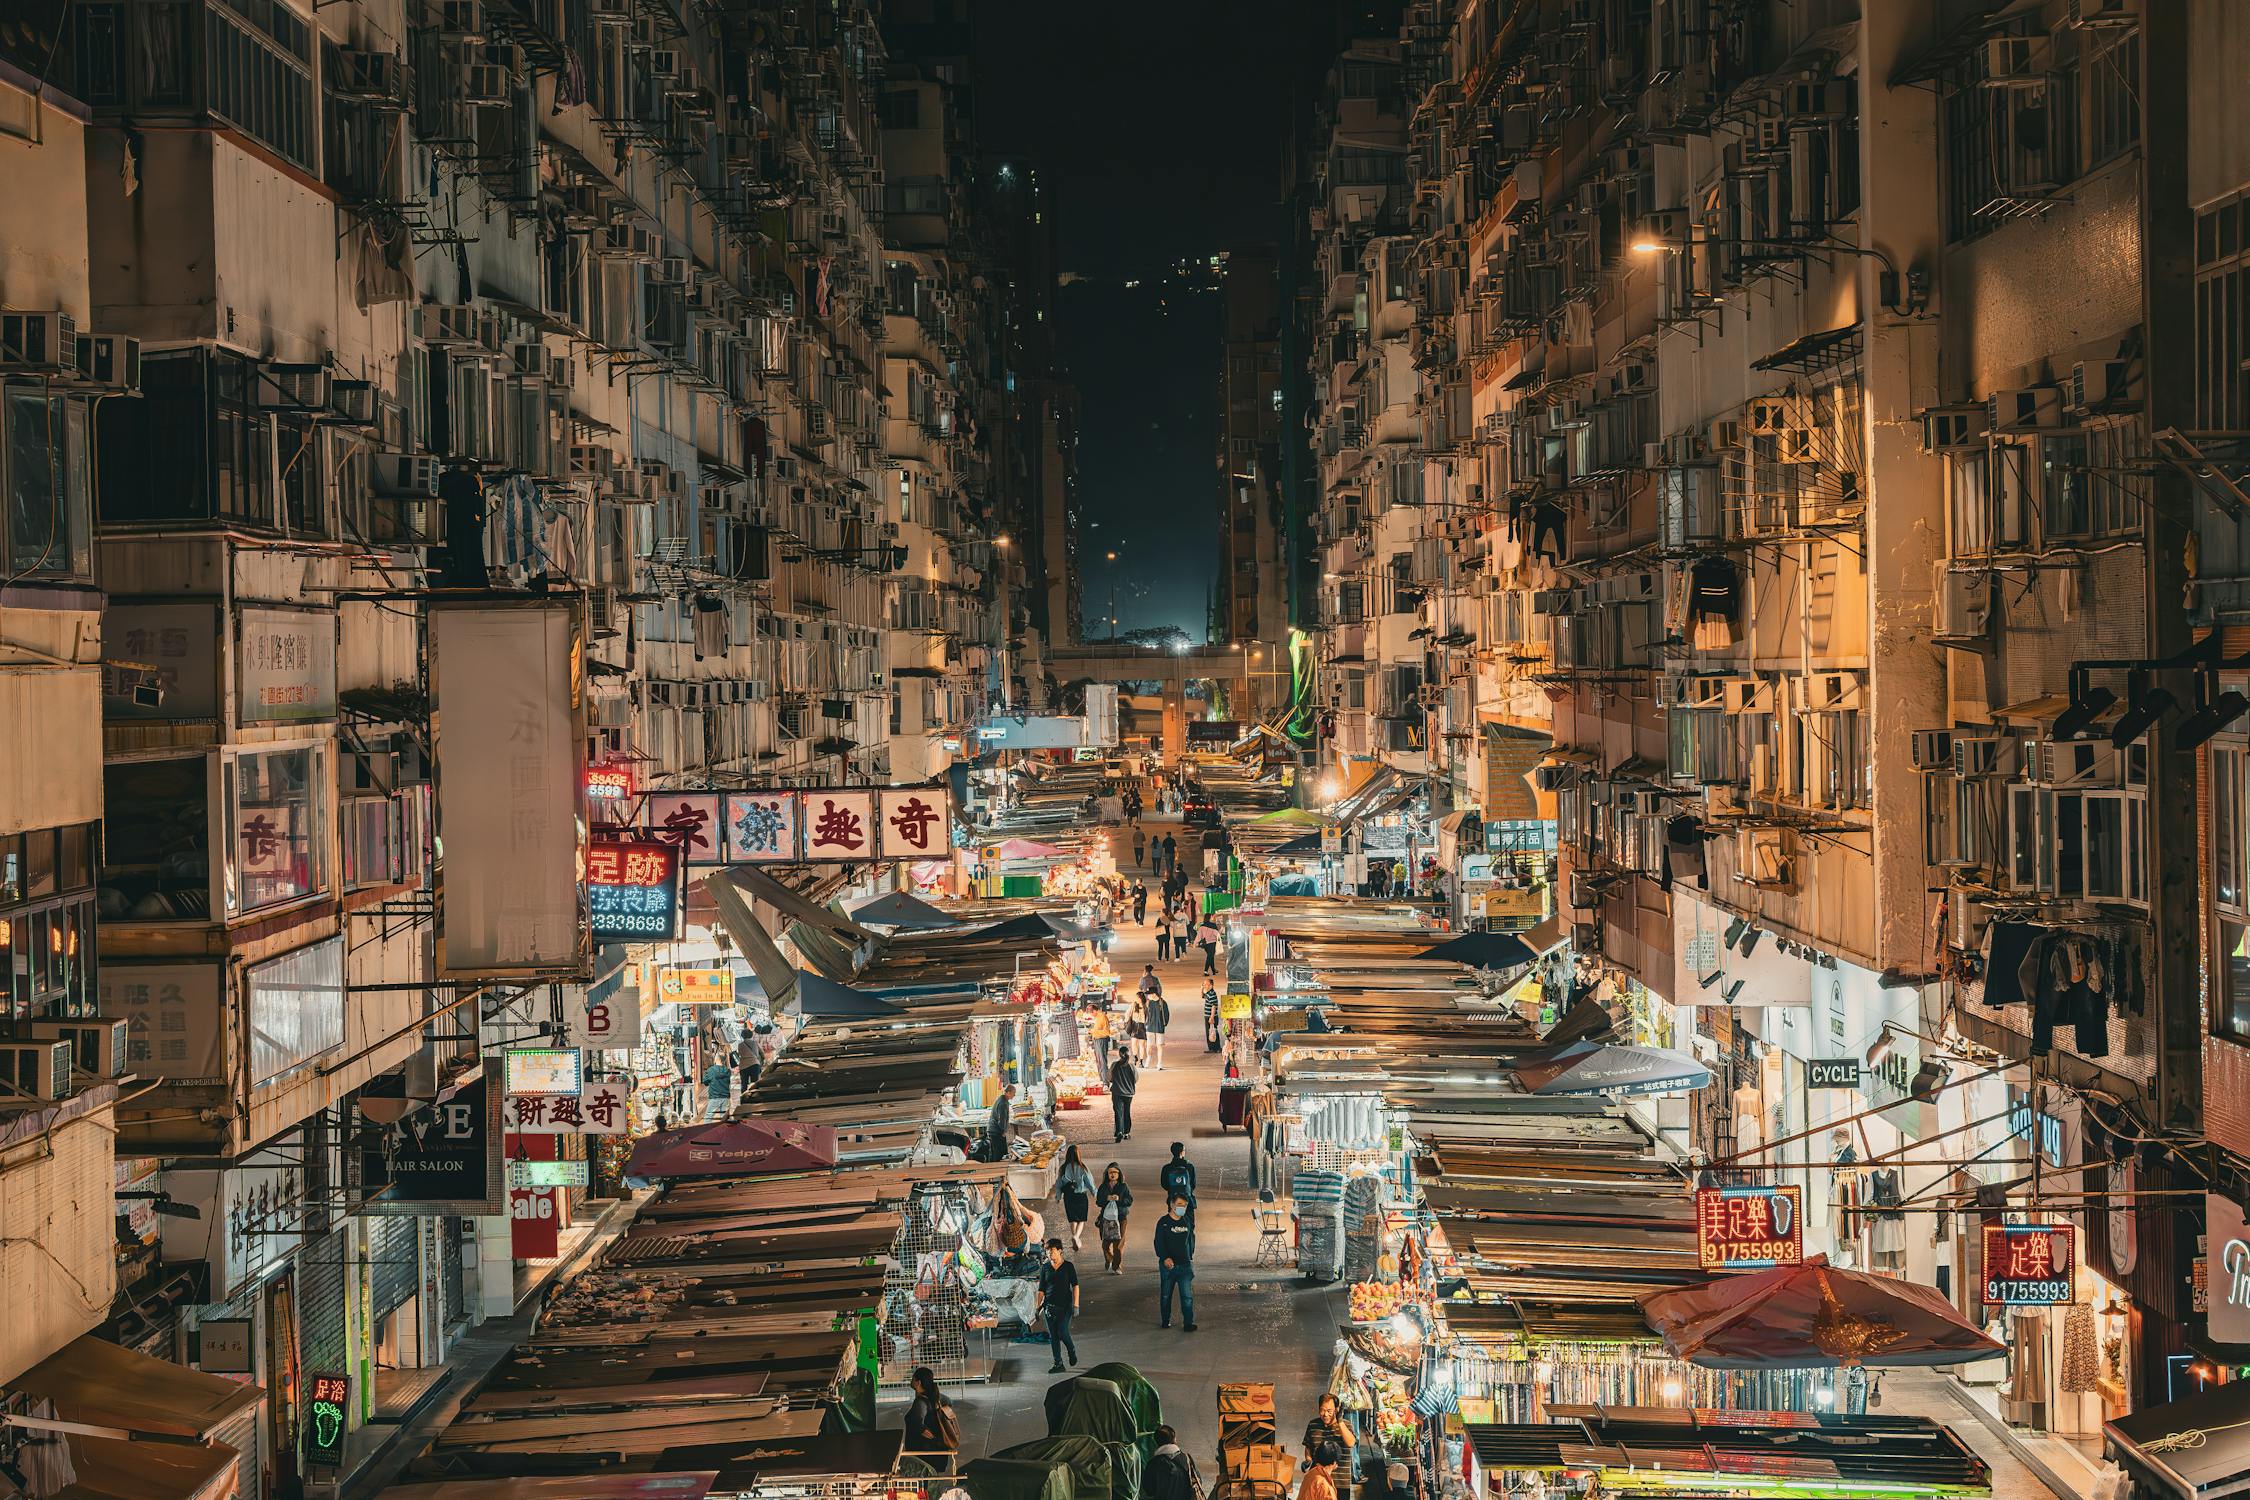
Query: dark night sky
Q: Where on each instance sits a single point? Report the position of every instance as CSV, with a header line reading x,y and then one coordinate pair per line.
x,y
1158,128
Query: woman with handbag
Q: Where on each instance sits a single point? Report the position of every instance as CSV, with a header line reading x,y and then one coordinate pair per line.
x,y
1113,1204
933,1432
1011,1225
1076,1185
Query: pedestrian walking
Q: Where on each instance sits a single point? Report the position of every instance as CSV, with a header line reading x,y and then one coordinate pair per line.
x,y
1171,1473
1113,1205
717,1080
1140,847
1136,1033
1140,903
933,1431
1175,1264
1099,1031
1207,938
1156,1015
1178,1176
1150,984
1058,1303
1164,936
1210,1018
1076,1185
1171,852
1123,1080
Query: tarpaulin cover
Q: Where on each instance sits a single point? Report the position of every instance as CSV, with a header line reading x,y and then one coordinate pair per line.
x,y
1608,1068
2199,1447
1125,1468
92,1380
1813,1314
1018,1479
820,997
1083,1458
898,909
1031,927
1484,950
1095,1409
733,1148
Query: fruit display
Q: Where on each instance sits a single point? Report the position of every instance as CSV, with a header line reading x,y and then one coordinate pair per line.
x,y
1373,1301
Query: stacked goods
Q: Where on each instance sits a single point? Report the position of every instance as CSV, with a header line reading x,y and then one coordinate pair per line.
x,y
1252,1465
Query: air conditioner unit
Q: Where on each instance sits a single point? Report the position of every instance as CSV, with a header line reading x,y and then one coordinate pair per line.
x,y
1625,588
367,75
631,239
1945,428
1761,856
1967,918
97,1043
2095,383
1704,692
613,12
1932,750
1722,799
110,360
2026,410
672,270
1769,416
592,461
487,85
46,341
1647,802
1828,692
562,372
406,474
293,387
529,357
1817,99
353,401
461,20
1983,753
1964,604
2104,12
1765,136
1554,601
38,1070
2015,61
451,323
1747,695
2081,763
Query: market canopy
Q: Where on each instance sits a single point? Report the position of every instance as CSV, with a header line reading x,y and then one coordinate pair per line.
x,y
1074,932
1484,950
2198,1448
107,1385
898,909
1813,1314
1613,1068
820,997
733,1148
1026,849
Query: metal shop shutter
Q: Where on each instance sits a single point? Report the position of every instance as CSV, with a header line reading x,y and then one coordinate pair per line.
x,y
393,1260
320,1305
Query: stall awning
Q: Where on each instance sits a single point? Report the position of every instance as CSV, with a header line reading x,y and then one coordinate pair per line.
x,y
111,1469
569,1487
760,886
901,910
1354,805
2198,1448
775,974
107,1385
819,997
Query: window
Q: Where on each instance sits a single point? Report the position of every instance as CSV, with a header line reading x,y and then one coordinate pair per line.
x,y
2233,1010
49,508
2007,149
296,1007
2230,873
901,109
2079,845
277,822
2112,69
384,838
47,925
258,77
2222,315
157,849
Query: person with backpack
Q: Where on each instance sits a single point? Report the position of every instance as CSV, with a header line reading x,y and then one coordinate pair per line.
x,y
1178,1177
1156,1016
1140,903
1124,1079
1113,1204
933,1431
1175,1264
1207,938
1171,851
1164,935
1170,1474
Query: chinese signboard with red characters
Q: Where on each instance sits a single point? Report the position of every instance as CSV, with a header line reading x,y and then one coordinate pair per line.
x,y
689,821
839,825
2029,1265
1749,1228
633,890
761,827
287,672
916,823
609,786
328,1403
599,1110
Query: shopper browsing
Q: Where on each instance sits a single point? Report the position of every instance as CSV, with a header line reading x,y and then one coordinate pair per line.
x,y
1175,1264
1156,1015
933,1432
1058,1303
1113,1204
1124,1079
1076,1185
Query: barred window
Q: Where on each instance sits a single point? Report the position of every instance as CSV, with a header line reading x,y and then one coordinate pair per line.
x,y
2222,315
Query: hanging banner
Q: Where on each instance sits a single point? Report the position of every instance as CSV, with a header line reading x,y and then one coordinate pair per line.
x,y
600,1110
444,1155
509,719
839,825
696,986
534,1227
287,670
917,823
688,821
761,827
1749,1228
633,891
2029,1265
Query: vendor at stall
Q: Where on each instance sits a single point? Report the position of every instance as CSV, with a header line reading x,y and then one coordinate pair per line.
x,y
1328,1426
997,1124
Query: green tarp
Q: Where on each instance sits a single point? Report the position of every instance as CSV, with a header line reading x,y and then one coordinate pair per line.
x,y
1083,1459
1140,1398
1014,1479
1096,1409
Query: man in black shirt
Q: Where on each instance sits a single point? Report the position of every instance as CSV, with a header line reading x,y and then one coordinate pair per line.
x,y
1175,1261
1058,1302
996,1125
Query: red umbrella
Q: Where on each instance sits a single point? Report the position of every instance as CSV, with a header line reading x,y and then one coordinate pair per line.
x,y
733,1148
1813,1314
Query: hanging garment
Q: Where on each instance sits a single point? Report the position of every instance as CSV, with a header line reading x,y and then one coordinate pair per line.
x,y
2026,1403
2081,1351
710,627
1714,588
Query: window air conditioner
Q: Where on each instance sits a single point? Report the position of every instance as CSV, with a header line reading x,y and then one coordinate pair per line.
x,y
112,360
39,1070
2025,410
97,1043
38,341
1933,750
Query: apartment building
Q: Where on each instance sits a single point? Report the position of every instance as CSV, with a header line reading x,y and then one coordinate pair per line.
x,y
1744,453
390,358
1252,592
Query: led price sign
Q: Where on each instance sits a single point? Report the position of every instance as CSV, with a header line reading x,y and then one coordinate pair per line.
x,y
609,783
633,891
327,1406
2029,1265
1749,1228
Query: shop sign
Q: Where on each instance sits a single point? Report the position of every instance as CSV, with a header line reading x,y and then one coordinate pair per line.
x,y
534,1226
178,643
1476,867
696,986
689,821
1504,902
602,1109
1331,838
1749,1228
442,1154
1832,1072
252,1215
546,1174
917,823
761,827
613,1022
2227,1242
633,891
223,1346
546,1070
328,1401
838,825
287,667
2028,1265
174,1019
1234,1007
609,786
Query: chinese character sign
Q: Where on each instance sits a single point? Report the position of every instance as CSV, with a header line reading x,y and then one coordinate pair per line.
x,y
2029,1264
328,1403
1748,1228
761,827
689,821
917,823
600,1109
288,665
175,1018
633,890
839,825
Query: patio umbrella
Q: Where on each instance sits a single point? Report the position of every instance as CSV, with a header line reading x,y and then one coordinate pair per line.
x,y
898,909
1611,1068
1484,950
1813,1314
733,1148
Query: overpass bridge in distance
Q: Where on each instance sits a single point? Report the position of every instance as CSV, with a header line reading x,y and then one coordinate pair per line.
x,y
1120,661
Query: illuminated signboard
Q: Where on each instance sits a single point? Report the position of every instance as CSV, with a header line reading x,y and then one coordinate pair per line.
x,y
2029,1265
696,986
546,1174
609,783
546,1070
328,1402
1749,1228
633,891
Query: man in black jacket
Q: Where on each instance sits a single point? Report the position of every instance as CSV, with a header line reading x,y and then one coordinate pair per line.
x,y
1124,1080
1178,1177
1175,1261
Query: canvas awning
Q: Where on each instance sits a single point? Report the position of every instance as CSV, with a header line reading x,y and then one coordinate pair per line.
x,y
760,886
2198,1448
733,1148
107,1385
776,975
114,1469
1484,950
821,998
898,909
1604,1068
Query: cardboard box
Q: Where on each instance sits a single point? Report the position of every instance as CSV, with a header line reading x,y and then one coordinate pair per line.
x,y
1245,1399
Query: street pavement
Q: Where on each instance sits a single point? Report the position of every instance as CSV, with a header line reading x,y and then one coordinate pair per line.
x,y
1253,1323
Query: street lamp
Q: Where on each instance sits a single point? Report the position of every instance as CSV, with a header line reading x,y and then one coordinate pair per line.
x,y
1898,296
1113,599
